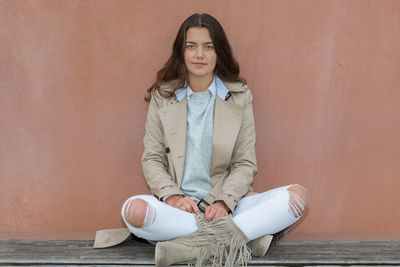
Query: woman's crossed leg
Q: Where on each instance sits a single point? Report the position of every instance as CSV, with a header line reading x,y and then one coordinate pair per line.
x,y
257,215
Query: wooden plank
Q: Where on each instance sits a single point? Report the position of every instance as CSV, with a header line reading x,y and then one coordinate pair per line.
x,y
333,253
73,252
135,253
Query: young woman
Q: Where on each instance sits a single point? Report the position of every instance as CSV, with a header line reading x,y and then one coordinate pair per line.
x,y
199,158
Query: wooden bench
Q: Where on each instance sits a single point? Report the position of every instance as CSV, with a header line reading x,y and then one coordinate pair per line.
x,y
139,253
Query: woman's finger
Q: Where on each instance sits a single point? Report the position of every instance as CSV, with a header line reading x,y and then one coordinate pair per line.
x,y
211,213
184,204
217,214
194,207
207,212
180,205
188,207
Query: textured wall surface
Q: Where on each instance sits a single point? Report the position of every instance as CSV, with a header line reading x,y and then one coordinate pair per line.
x,y
325,76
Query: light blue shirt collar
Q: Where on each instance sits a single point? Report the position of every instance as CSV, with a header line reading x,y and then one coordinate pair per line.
x,y
211,88
217,86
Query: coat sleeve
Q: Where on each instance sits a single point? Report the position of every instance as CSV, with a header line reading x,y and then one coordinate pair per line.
x,y
154,159
243,165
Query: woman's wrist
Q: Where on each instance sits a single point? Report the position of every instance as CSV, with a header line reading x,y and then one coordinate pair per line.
x,y
170,200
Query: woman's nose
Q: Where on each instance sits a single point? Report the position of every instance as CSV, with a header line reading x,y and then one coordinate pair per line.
x,y
199,52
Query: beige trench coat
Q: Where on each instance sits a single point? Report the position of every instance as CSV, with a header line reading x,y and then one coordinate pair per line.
x,y
233,151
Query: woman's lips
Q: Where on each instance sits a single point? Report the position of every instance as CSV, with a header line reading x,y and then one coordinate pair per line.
x,y
199,64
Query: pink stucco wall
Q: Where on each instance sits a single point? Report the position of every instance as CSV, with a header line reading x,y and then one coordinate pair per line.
x,y
325,77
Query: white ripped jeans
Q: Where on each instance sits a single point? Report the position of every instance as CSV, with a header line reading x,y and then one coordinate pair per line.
x,y
256,215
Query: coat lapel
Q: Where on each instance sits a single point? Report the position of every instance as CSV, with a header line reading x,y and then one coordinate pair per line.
x,y
173,118
227,120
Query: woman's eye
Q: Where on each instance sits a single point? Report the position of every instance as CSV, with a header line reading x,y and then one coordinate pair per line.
x,y
189,46
209,47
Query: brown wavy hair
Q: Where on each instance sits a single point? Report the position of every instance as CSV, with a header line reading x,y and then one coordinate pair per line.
x,y
227,68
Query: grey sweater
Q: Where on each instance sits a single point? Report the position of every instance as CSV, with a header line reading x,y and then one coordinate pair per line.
x,y
196,181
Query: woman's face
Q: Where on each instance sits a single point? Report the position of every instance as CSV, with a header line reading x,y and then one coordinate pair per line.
x,y
200,56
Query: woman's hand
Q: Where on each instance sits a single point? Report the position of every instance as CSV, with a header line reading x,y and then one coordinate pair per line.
x,y
183,203
216,210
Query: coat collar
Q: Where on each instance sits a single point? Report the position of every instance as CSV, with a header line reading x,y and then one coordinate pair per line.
x,y
221,89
